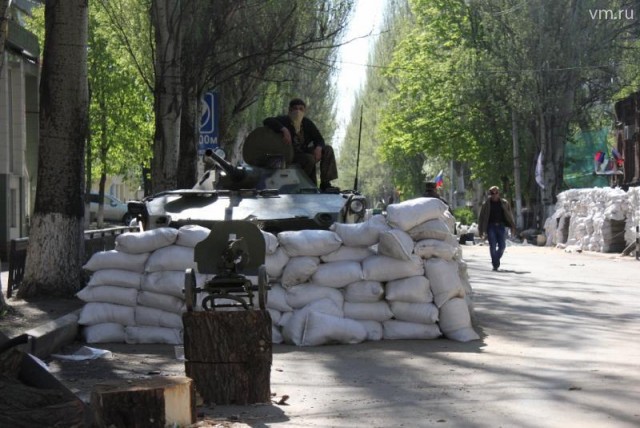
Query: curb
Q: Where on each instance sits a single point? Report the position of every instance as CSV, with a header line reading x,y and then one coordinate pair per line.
x,y
50,337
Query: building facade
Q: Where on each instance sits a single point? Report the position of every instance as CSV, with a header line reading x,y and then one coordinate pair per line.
x,y
19,80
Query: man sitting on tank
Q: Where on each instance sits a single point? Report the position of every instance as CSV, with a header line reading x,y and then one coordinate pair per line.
x,y
308,145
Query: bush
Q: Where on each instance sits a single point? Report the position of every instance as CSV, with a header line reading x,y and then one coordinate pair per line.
x,y
464,215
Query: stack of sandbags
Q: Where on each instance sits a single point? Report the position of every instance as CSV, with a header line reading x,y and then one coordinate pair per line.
x,y
427,221
399,277
633,215
373,280
595,219
135,292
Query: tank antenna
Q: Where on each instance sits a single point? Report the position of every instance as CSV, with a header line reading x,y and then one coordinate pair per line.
x,y
355,181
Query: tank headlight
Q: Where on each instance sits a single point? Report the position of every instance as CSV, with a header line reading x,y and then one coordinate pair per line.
x,y
356,206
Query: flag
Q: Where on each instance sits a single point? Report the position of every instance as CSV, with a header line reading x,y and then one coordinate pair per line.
x,y
539,178
439,180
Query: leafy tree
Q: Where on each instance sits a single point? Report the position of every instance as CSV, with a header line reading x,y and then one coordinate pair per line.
x,y
54,255
377,177
120,109
561,61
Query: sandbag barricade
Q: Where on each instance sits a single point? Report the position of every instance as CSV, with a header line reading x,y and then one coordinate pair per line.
x,y
355,282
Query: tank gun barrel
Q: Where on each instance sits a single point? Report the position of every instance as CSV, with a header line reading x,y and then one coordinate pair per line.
x,y
236,173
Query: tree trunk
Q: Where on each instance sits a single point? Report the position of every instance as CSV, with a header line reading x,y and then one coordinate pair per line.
x,y
166,16
55,252
4,13
189,130
4,28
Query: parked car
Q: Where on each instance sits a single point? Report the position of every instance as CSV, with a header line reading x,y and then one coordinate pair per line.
x,y
115,210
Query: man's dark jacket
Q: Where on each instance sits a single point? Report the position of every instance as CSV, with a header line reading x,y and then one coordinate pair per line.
x,y
312,136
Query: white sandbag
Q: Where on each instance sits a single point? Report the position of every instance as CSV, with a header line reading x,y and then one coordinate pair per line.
x,y
414,289
444,280
174,257
116,277
337,274
100,313
275,316
116,260
147,241
162,301
103,333
293,329
145,334
364,292
424,313
190,234
277,299
157,318
373,328
428,248
361,234
109,294
276,336
309,242
397,244
383,268
455,321
321,329
169,282
463,273
285,317
301,295
299,270
276,262
270,242
378,311
346,254
432,229
413,212
395,330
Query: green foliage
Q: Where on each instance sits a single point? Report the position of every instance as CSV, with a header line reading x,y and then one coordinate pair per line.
x,y
120,111
464,215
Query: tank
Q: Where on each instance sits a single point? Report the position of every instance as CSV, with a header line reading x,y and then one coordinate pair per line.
x,y
267,188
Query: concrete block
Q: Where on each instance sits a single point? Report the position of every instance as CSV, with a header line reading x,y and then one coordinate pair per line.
x,y
50,337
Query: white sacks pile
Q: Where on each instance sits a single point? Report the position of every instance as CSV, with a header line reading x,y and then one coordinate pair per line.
x,y
135,293
396,278
594,219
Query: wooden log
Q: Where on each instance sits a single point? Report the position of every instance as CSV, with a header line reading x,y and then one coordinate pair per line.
x,y
231,383
153,402
229,355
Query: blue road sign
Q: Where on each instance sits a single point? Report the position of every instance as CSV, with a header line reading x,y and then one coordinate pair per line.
x,y
209,122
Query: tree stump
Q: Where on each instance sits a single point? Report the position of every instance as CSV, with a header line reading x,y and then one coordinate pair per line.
x,y
228,355
153,402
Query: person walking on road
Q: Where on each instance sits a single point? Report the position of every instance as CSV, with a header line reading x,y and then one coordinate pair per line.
x,y
495,214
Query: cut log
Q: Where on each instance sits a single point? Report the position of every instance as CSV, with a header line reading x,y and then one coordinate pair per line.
x,y
229,355
153,402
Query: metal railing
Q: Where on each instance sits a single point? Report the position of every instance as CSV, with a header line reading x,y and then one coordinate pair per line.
x,y
94,242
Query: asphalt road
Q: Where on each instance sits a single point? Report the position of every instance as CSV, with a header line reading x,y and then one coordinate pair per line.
x,y
559,348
